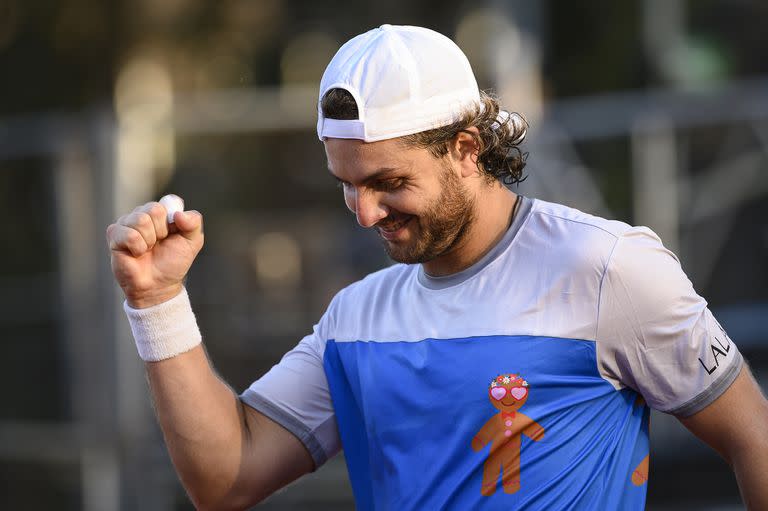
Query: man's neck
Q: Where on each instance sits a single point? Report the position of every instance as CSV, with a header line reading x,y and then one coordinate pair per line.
x,y
493,216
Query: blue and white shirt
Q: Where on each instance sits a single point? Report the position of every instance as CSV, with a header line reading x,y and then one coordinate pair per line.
x,y
592,317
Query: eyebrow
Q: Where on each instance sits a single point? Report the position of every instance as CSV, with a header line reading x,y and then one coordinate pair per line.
x,y
378,174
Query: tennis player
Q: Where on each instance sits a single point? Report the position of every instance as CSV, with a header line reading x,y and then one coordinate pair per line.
x,y
509,361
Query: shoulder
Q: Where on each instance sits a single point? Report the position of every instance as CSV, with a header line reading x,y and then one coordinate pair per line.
x,y
572,225
633,265
577,222
647,278
567,236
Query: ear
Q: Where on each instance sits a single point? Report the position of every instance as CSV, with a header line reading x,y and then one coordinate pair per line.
x,y
464,149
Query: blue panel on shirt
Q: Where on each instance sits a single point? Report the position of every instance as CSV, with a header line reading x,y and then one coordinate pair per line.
x,y
407,413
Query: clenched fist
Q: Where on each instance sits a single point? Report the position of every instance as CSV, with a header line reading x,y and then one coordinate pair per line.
x,y
151,257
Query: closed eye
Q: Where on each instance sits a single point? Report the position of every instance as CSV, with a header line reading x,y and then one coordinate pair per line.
x,y
384,185
389,185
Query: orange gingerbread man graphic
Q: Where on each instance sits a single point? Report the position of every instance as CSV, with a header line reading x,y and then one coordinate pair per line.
x,y
507,393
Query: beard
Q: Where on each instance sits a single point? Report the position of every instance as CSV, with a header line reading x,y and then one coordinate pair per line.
x,y
441,228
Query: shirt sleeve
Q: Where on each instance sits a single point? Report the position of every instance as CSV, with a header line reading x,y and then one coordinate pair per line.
x,y
295,394
655,334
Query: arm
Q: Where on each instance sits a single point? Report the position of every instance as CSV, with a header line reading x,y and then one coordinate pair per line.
x,y
736,426
485,434
658,337
534,430
228,456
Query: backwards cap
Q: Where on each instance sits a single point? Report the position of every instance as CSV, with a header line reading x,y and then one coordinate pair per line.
x,y
404,80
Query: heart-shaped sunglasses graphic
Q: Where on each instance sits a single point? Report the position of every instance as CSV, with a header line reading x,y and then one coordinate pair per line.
x,y
518,393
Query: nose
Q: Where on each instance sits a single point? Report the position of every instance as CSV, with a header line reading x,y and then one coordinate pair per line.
x,y
366,206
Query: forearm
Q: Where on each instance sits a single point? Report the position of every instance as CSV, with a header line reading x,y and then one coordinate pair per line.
x,y
484,436
203,425
534,431
736,426
751,469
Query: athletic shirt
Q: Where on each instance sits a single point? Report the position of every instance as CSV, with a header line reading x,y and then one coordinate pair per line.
x,y
595,317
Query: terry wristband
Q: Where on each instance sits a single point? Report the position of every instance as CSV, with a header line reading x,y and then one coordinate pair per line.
x,y
164,330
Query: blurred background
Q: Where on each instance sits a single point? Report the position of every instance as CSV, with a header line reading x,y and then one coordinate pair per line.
x,y
654,112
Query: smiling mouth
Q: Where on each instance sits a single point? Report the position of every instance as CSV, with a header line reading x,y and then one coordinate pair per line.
x,y
392,228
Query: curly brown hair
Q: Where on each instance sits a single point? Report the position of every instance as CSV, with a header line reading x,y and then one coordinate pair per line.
x,y
498,138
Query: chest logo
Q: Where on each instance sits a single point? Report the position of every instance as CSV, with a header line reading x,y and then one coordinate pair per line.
x,y
507,393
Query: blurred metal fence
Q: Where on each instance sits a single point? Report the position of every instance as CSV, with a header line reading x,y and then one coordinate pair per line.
x,y
101,166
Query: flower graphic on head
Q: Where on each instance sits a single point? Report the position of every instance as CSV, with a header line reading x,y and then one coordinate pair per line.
x,y
493,383
499,378
525,383
506,380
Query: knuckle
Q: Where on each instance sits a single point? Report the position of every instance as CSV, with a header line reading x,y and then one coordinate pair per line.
x,y
155,209
143,219
129,220
133,237
136,244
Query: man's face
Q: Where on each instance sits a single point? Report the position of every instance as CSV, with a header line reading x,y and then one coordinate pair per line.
x,y
416,202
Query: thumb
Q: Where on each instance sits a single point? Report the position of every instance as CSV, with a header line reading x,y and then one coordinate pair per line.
x,y
189,223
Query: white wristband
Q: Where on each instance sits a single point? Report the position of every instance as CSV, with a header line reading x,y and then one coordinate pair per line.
x,y
164,330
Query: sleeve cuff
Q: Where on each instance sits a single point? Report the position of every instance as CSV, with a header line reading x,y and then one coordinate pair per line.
x,y
711,393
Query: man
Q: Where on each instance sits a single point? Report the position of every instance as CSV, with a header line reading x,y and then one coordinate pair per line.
x,y
504,365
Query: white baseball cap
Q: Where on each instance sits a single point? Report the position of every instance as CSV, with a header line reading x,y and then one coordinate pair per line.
x,y
404,80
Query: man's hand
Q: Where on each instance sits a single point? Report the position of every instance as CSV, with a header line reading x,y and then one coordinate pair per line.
x,y
150,257
736,426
